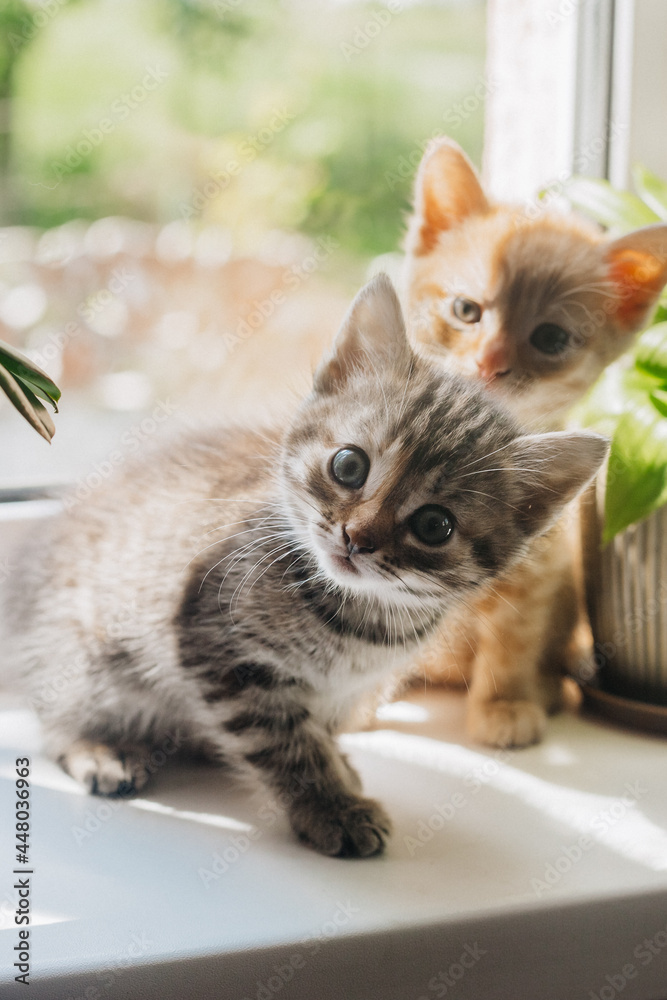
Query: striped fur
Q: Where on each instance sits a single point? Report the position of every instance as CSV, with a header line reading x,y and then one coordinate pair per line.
x,y
208,596
522,268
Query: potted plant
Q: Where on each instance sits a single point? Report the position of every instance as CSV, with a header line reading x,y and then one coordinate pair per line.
x,y
23,383
625,531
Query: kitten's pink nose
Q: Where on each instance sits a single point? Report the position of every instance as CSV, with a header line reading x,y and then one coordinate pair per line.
x,y
493,362
358,539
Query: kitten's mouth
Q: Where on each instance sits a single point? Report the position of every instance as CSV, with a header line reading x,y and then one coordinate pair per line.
x,y
344,563
347,569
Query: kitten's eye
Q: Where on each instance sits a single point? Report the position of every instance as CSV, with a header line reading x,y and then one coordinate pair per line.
x,y
350,466
549,338
431,524
466,310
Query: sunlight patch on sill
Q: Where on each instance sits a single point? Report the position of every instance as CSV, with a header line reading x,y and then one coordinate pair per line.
x,y
209,819
401,711
559,756
616,822
18,728
38,918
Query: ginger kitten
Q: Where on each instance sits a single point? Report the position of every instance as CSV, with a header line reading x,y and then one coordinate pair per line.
x,y
243,590
533,309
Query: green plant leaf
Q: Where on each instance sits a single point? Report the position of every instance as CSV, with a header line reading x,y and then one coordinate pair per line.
x,y
629,401
28,405
620,388
618,210
637,470
29,374
659,399
651,351
651,190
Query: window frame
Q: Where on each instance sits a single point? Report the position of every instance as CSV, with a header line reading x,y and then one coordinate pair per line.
x,y
594,92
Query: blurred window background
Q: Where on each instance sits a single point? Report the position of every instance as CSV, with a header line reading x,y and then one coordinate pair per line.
x,y
192,190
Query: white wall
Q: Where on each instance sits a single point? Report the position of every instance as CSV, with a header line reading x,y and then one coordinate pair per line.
x,y
530,110
548,114
648,106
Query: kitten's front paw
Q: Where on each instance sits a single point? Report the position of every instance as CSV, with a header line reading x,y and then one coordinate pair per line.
x,y
349,828
104,770
506,723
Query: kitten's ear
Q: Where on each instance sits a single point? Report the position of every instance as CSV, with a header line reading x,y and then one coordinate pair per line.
x,y
372,337
447,190
554,469
637,267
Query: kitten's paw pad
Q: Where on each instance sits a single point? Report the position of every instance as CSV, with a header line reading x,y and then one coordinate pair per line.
x,y
506,723
104,770
354,828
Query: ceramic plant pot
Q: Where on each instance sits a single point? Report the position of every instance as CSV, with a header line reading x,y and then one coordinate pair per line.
x,y
626,590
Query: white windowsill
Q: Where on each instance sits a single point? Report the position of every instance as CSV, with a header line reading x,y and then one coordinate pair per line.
x,y
110,876
129,896
17,519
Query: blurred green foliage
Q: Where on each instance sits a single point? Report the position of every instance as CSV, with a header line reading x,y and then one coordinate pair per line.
x,y
628,403
259,115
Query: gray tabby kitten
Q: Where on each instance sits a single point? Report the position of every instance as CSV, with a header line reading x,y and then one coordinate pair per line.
x,y
244,590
